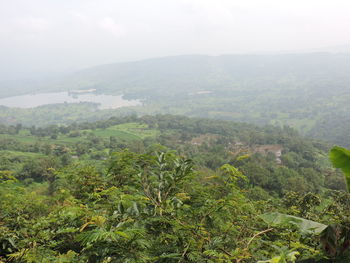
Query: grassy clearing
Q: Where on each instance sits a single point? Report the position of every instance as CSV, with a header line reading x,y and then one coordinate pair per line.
x,y
21,154
65,140
127,131
20,138
140,130
106,133
30,139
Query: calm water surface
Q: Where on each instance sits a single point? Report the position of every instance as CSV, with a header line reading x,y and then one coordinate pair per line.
x,y
35,100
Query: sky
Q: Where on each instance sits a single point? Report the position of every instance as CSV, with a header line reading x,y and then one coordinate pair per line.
x,y
39,37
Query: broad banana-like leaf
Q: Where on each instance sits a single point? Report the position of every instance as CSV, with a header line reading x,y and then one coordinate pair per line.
x,y
340,158
304,225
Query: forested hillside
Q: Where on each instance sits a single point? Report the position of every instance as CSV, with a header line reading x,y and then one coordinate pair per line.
x,y
305,91
167,189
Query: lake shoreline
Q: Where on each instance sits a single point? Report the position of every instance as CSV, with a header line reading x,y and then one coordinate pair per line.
x,y
40,99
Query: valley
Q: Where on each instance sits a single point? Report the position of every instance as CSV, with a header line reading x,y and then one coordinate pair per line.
x,y
304,91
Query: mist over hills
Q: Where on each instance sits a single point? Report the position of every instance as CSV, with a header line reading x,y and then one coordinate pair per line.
x,y
308,91
196,72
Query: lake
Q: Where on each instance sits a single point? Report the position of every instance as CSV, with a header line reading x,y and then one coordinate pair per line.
x,y
35,100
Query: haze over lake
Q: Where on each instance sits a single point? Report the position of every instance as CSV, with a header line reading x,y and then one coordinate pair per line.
x,y
35,100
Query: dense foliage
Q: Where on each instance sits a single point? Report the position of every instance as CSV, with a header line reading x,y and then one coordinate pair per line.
x,y
274,159
168,189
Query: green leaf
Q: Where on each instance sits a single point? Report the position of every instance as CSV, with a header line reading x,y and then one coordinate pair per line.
x,y
340,158
304,225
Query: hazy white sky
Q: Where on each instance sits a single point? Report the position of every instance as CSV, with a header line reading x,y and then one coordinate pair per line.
x,y
57,35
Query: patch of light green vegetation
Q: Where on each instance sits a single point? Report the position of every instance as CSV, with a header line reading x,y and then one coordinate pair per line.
x,y
20,137
64,140
106,133
31,139
303,125
11,154
138,129
127,132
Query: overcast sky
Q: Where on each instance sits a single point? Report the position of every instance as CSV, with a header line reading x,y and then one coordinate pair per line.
x,y
59,35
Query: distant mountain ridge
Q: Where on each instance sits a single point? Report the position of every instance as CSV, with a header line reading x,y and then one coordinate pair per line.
x,y
196,72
